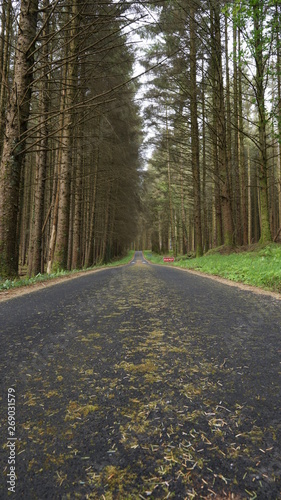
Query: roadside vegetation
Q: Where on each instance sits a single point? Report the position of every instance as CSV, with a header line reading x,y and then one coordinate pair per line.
x,y
259,265
26,281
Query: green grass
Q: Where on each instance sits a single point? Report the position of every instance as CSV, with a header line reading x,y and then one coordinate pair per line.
x,y
260,267
26,281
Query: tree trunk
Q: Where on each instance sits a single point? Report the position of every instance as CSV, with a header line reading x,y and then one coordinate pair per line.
x,y
204,167
35,251
14,138
195,137
249,200
227,221
104,239
242,160
77,240
236,155
89,249
52,242
260,94
6,31
61,248
278,17
183,217
172,227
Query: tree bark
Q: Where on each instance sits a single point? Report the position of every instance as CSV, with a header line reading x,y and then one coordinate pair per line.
x,y
77,240
61,247
260,94
236,151
219,110
35,250
278,17
171,211
14,138
242,159
195,137
6,36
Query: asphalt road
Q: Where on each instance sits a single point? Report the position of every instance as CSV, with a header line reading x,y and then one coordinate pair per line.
x,y
141,382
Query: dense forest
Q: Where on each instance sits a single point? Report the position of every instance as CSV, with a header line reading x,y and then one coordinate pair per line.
x,y
74,188
70,134
214,111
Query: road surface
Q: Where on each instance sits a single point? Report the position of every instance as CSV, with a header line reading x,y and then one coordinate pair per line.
x,y
141,382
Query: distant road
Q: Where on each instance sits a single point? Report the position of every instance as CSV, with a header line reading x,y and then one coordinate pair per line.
x,y
141,381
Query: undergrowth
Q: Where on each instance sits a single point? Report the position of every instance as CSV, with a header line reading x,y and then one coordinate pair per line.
x,y
26,281
260,267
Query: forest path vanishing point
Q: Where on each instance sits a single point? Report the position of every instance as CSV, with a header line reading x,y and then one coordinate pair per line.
x,y
142,382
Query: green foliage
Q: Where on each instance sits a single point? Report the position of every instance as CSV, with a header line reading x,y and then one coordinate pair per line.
x,y
125,260
8,284
17,283
255,18
261,267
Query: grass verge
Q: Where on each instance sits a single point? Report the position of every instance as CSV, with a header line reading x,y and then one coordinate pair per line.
x,y
26,281
259,267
